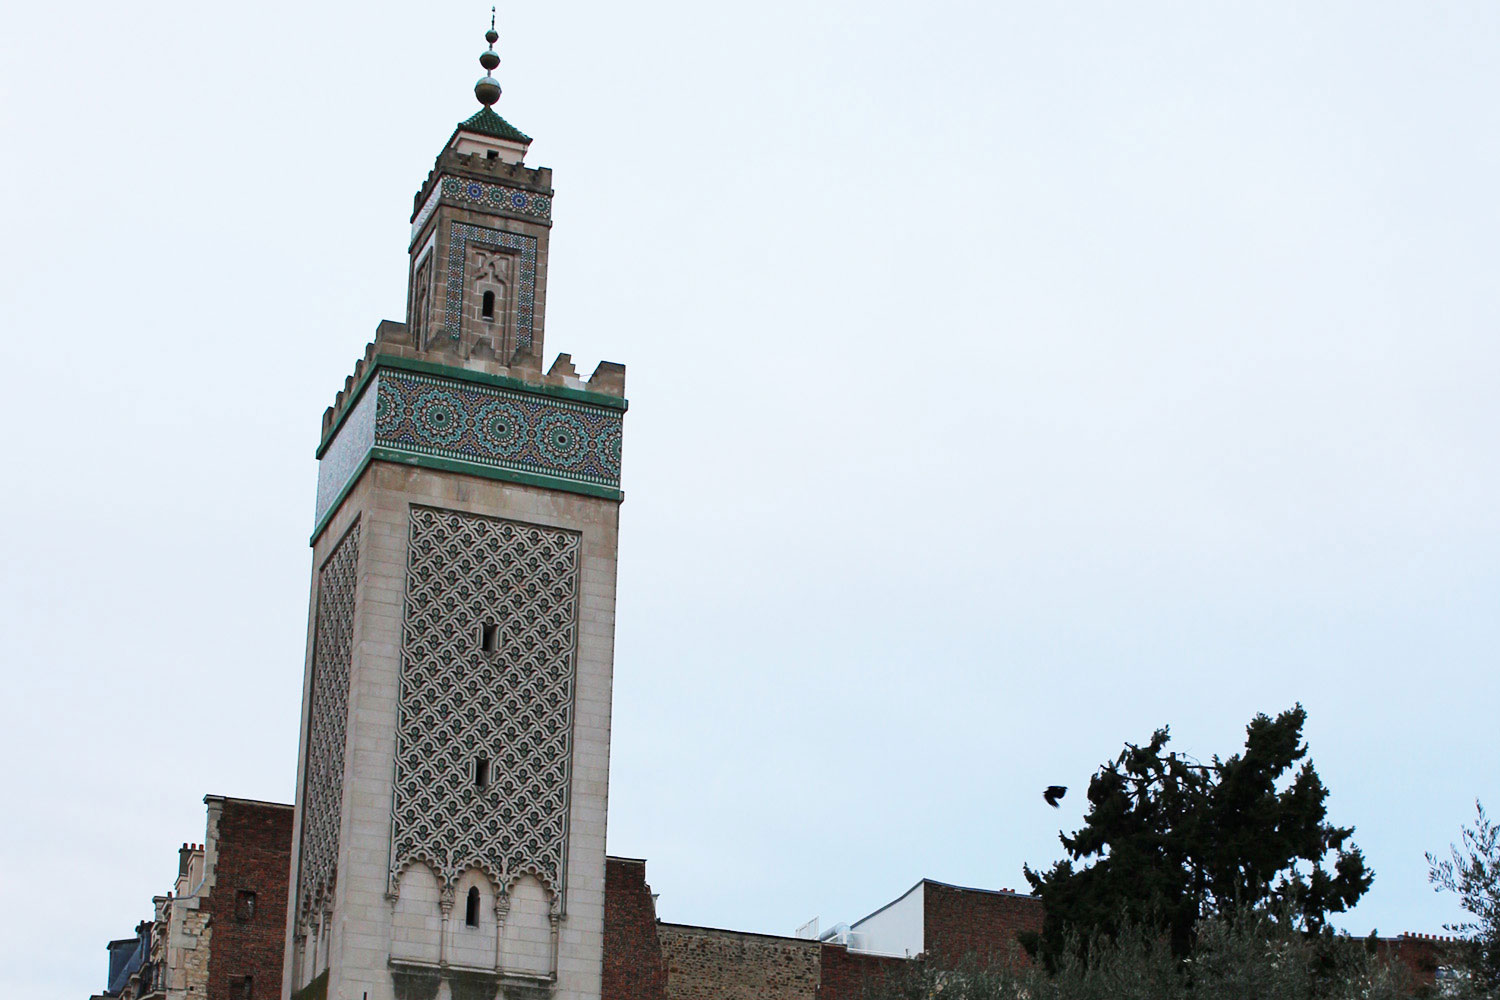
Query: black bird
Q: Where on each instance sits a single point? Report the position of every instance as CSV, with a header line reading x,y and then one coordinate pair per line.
x,y
1053,793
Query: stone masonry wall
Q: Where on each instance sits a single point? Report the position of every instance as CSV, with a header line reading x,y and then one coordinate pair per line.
x,y
982,924
708,964
633,966
254,856
359,943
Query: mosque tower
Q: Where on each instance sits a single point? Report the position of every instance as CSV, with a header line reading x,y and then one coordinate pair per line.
x,y
453,770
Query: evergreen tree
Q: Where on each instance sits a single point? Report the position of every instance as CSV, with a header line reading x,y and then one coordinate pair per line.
x,y
1473,873
1168,842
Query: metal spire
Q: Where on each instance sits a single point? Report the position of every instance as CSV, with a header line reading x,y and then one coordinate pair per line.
x,y
488,88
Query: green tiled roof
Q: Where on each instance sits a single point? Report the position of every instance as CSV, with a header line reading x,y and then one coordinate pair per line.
x,y
486,122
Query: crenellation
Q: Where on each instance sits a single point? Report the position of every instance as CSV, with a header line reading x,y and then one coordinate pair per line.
x,y
472,165
608,378
562,371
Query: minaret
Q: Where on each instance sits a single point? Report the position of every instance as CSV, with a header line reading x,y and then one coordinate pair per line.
x,y
453,771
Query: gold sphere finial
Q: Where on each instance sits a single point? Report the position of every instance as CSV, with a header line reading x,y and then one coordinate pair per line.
x,y
488,88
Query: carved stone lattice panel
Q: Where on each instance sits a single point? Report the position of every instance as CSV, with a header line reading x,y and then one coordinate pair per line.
x,y
323,776
489,650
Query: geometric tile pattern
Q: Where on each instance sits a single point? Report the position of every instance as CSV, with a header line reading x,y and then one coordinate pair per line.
x,y
511,706
496,197
459,237
504,428
469,193
323,781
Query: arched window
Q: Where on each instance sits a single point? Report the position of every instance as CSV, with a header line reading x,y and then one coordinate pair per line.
x,y
487,306
471,908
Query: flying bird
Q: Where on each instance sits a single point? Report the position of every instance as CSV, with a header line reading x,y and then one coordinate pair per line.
x,y
1053,793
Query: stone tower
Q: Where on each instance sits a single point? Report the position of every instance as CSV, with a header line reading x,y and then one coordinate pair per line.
x,y
454,762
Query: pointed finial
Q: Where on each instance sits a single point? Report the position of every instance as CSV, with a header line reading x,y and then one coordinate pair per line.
x,y
488,88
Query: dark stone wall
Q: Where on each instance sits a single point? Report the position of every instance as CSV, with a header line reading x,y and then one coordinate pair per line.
x,y
704,963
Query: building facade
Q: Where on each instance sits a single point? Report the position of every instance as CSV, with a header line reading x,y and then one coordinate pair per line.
x,y
207,943
454,762
218,934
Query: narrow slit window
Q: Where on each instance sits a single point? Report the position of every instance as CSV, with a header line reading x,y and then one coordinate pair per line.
x,y
481,772
471,908
487,305
244,906
489,638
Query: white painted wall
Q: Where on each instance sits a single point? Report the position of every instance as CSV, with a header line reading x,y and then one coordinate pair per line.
x,y
473,142
895,929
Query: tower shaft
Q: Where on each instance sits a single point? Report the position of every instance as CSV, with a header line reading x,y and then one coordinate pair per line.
x,y
453,772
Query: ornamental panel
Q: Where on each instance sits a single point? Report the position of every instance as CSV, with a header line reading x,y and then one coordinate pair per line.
x,y
460,236
323,776
522,431
484,742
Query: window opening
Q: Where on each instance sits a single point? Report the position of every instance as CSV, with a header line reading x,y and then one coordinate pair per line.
x,y
492,154
244,905
487,307
481,772
489,638
471,908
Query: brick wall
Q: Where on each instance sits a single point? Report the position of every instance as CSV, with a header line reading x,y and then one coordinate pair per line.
x,y
1422,954
708,964
960,923
633,966
254,855
844,974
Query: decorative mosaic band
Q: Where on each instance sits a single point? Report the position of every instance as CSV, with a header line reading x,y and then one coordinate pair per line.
x,y
483,195
510,433
459,238
503,428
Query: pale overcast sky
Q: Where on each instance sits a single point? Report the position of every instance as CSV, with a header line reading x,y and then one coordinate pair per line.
x,y
1006,380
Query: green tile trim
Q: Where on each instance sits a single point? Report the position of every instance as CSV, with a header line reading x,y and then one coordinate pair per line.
x,y
486,122
461,375
399,456
338,499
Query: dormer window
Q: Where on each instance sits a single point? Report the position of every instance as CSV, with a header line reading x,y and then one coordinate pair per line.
x,y
487,306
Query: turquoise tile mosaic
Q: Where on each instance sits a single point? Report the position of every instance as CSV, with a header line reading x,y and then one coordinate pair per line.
x,y
500,427
499,197
468,193
541,438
